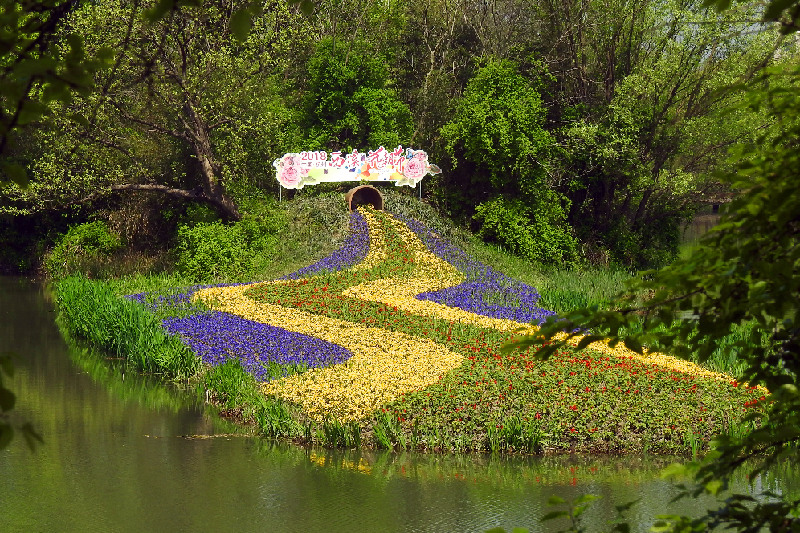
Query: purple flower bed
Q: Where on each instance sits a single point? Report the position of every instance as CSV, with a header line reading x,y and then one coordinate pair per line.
x,y
217,337
485,291
353,251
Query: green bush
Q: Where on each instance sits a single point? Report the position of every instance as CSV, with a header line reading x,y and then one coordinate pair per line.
x,y
213,251
81,245
349,103
527,231
91,311
499,150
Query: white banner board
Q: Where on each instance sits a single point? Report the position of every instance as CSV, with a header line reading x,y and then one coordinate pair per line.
x,y
401,166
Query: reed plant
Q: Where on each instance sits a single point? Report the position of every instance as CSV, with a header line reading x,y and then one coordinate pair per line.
x,y
231,385
514,435
274,419
388,432
339,434
91,311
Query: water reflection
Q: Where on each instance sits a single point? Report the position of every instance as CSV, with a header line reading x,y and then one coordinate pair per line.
x,y
127,454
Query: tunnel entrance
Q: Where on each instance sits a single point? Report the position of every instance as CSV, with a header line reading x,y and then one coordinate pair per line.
x,y
364,195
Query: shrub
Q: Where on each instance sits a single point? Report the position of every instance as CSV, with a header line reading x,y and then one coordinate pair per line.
x,y
527,230
82,244
211,251
499,149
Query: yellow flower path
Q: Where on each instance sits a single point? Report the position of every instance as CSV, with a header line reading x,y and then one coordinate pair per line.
x,y
385,364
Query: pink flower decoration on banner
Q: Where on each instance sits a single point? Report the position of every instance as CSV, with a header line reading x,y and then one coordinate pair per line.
x,y
415,169
290,177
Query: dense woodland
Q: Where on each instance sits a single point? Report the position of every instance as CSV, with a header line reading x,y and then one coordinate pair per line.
x,y
568,132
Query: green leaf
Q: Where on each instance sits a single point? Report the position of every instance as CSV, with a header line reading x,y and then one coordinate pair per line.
x,y
776,8
586,498
556,500
553,515
6,364
674,470
587,340
6,434
31,111
31,437
240,24
158,11
307,7
633,344
713,487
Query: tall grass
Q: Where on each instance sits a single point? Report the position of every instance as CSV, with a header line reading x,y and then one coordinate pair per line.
x,y
90,310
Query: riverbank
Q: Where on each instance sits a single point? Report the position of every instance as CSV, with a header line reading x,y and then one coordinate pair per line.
x,y
320,364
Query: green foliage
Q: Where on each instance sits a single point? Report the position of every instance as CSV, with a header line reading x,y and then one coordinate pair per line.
x,y
744,274
237,394
500,149
514,434
232,386
349,102
215,251
640,146
36,72
527,231
91,311
82,245
498,127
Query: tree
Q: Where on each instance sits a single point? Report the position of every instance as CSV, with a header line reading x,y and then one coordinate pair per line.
x,y
187,109
640,107
500,151
349,103
34,71
747,271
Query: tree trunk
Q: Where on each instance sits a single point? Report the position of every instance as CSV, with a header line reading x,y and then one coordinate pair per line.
x,y
198,135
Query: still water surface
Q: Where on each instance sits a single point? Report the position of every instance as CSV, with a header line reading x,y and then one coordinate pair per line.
x,y
123,454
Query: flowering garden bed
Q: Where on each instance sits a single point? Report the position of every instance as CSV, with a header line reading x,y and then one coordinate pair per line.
x,y
394,341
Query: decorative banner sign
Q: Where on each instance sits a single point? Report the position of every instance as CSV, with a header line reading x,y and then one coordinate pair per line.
x,y
401,167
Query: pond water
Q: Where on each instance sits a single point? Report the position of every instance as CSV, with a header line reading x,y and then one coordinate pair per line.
x,y
122,453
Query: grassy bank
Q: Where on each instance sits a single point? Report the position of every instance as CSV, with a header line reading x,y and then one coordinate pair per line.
x,y
590,400
91,311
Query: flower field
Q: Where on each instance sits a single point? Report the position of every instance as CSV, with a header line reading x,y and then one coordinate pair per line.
x,y
394,341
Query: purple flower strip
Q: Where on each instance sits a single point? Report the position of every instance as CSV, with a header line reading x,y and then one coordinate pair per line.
x,y
485,291
353,251
217,337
